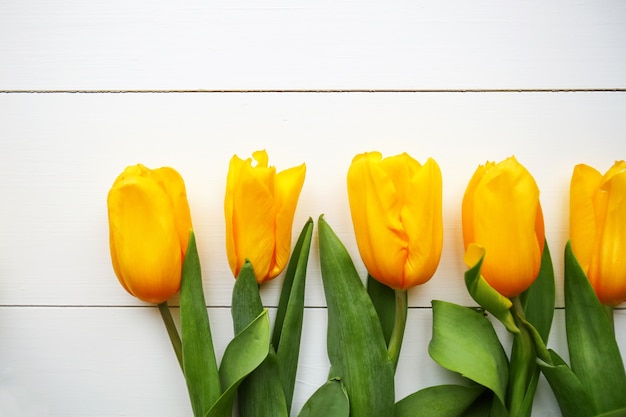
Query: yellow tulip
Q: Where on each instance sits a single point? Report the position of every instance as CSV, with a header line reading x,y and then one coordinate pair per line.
x,y
501,212
259,208
149,228
396,208
598,228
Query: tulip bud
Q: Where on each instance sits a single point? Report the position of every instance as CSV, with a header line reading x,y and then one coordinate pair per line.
x,y
502,213
259,208
396,207
598,228
149,226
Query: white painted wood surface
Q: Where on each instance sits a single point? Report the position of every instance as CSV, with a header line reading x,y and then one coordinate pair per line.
x,y
326,44
73,343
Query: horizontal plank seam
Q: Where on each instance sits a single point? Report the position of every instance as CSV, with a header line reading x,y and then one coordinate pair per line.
x,y
176,306
323,91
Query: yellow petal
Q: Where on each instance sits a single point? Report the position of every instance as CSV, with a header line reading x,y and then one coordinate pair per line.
x,y
422,220
607,271
467,210
249,209
174,186
505,206
375,208
584,184
288,186
234,173
146,252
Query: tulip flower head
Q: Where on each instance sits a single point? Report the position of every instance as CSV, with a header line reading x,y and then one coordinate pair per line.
x,y
396,208
501,212
598,228
149,227
259,208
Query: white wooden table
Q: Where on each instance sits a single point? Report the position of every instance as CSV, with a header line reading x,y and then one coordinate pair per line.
x,y
87,88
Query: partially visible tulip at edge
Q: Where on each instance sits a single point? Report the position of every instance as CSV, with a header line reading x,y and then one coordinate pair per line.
x,y
396,208
598,228
149,228
259,208
501,212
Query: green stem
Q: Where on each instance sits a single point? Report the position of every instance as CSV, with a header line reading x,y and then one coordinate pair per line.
x,y
172,332
397,334
522,365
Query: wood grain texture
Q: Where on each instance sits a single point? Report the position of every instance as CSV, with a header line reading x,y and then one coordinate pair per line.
x,y
280,44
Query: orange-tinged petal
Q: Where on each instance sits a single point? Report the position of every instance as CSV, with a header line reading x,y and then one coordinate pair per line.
x,y
423,222
395,205
607,271
174,187
145,249
467,211
583,229
501,210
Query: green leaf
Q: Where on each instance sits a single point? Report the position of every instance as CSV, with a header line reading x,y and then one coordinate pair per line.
x,y
594,353
356,346
246,300
523,373
245,352
535,309
464,341
488,298
616,413
483,406
199,363
438,401
290,313
570,394
538,300
384,300
261,393
330,400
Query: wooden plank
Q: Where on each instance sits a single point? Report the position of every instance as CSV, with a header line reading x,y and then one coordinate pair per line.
x,y
194,45
94,361
61,153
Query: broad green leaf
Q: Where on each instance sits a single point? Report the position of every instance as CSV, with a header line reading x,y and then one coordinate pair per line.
x,y
261,393
480,290
290,314
245,352
594,353
438,401
294,275
199,363
570,394
384,300
356,346
483,405
616,413
464,341
246,300
330,400
538,300
497,408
